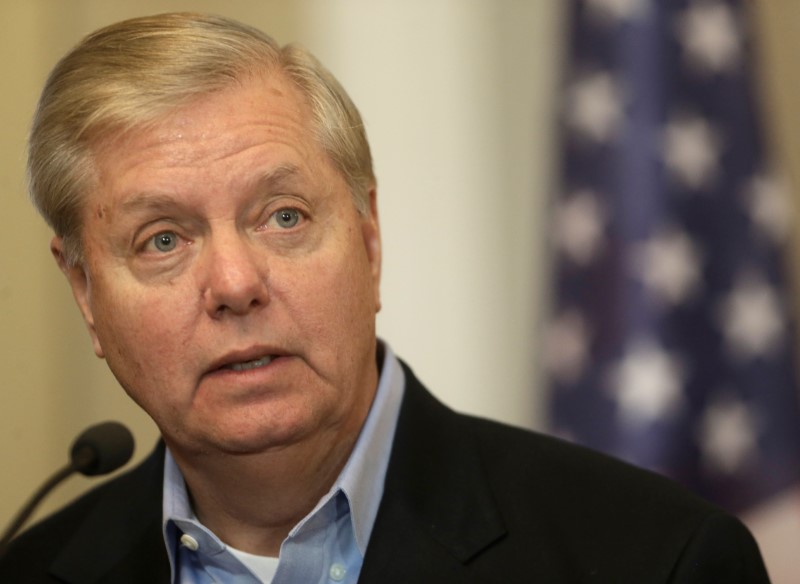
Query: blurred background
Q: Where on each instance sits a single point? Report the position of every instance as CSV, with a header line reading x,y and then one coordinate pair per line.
x,y
587,214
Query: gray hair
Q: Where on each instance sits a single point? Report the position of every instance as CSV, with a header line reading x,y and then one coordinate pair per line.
x,y
132,73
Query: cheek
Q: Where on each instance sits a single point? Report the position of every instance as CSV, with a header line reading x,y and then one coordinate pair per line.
x,y
141,335
336,285
343,299
329,303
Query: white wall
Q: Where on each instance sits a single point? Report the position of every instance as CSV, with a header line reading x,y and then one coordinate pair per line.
x,y
457,97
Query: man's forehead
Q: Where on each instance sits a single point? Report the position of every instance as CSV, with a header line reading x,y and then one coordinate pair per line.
x,y
284,178
264,95
216,127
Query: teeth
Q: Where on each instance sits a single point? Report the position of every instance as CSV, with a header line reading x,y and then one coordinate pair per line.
x,y
250,364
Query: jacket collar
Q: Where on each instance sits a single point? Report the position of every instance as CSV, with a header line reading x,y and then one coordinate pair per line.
x,y
437,507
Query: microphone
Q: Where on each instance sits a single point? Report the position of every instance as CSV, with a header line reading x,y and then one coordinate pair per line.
x,y
101,449
98,450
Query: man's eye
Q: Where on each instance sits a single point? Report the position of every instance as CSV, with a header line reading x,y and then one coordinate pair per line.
x,y
286,218
165,241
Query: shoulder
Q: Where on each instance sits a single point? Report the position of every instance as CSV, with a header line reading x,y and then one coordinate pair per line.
x,y
579,511
534,466
608,515
596,485
531,464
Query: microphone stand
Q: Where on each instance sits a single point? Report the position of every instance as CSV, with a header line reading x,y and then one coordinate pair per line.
x,y
34,501
99,450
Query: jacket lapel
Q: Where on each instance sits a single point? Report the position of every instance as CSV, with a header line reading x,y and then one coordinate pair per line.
x,y
120,541
437,511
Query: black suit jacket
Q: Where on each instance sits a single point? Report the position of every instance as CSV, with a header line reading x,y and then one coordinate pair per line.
x,y
466,501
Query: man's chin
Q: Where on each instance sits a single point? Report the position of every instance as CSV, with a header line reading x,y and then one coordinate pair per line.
x,y
241,440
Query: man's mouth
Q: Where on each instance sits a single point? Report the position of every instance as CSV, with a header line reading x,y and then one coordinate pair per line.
x,y
247,365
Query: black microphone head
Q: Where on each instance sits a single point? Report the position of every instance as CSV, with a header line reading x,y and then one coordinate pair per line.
x,y
102,449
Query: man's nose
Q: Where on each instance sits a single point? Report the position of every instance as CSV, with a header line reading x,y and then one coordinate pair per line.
x,y
235,275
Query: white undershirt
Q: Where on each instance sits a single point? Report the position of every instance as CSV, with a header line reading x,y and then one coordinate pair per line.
x,y
262,566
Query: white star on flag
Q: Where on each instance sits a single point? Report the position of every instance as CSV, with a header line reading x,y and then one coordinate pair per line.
x,y
567,346
579,225
594,106
647,384
710,36
617,10
691,151
751,318
770,207
669,265
728,437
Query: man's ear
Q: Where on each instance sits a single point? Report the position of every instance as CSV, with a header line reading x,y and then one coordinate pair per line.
x,y
372,240
81,289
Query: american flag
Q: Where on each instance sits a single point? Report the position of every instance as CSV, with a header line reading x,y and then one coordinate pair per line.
x,y
671,343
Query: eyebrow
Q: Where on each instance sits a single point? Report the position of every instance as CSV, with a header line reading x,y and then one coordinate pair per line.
x,y
149,201
277,179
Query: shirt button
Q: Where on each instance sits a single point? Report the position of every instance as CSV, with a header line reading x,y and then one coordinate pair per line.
x,y
337,572
189,542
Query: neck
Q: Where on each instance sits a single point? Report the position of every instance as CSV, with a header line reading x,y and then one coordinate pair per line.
x,y
252,501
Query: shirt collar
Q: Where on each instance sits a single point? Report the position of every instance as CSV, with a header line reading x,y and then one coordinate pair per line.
x,y
361,479
363,475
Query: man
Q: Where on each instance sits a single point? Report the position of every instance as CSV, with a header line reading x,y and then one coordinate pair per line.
x,y
215,214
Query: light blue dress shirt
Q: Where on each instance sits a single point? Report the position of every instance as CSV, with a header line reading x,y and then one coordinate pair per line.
x,y
328,545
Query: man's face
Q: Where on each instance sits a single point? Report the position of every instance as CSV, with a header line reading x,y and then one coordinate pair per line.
x,y
229,281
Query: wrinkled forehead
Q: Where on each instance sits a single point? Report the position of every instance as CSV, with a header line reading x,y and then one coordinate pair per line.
x,y
268,85
212,124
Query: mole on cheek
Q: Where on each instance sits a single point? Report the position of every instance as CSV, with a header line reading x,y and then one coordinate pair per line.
x,y
101,212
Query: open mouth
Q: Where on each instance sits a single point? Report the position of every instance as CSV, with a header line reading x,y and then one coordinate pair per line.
x,y
247,365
